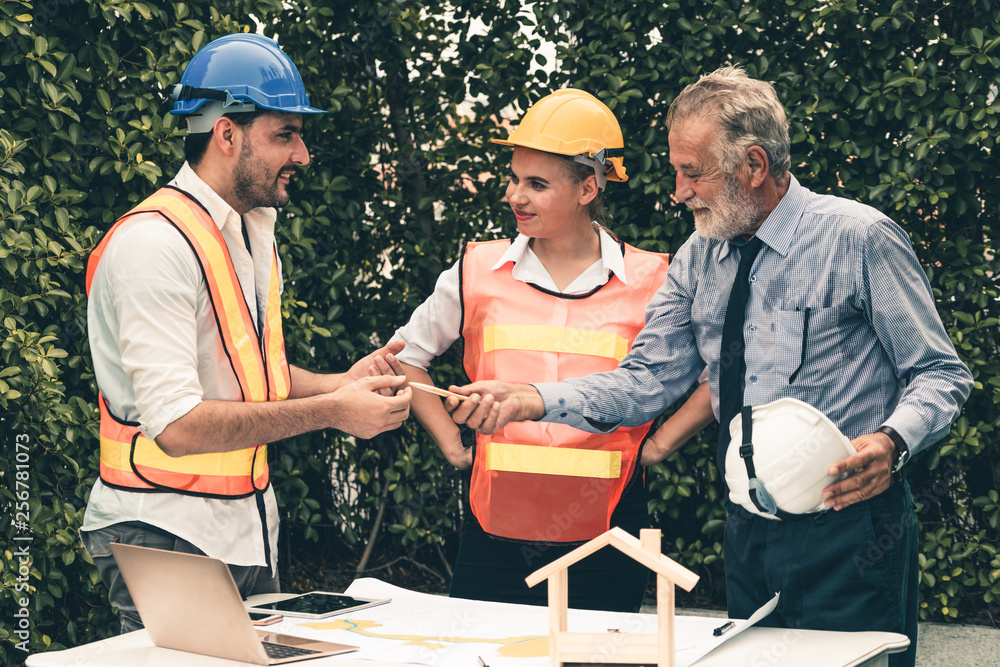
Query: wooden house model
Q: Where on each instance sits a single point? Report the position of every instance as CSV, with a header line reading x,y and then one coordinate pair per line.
x,y
617,648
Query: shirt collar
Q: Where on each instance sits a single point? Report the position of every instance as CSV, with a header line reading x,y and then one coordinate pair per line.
x,y
222,213
612,259
778,229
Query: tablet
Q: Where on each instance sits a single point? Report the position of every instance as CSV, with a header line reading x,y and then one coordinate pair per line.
x,y
317,604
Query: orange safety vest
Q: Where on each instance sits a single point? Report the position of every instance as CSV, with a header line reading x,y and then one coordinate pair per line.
x,y
538,481
131,461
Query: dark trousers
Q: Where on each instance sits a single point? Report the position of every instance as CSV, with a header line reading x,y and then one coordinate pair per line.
x,y
251,580
491,568
851,570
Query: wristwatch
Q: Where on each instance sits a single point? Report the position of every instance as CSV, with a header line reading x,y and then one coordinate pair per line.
x,y
902,451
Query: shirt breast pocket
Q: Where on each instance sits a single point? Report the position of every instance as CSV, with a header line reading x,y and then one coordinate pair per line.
x,y
809,343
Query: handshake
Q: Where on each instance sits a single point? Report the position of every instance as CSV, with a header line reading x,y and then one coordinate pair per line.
x,y
483,406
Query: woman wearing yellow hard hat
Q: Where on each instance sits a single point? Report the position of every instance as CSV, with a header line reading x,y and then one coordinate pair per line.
x,y
562,299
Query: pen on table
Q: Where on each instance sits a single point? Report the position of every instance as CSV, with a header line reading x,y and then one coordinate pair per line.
x,y
722,629
482,663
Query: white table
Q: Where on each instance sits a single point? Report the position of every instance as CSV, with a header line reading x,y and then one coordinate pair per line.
x,y
419,628
757,646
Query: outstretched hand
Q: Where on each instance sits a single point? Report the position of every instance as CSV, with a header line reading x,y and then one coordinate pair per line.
x,y
364,410
870,472
491,405
380,362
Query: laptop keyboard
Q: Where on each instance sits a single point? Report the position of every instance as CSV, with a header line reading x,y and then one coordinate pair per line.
x,y
278,651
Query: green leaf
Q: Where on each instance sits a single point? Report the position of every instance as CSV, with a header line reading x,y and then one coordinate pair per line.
x,y
48,67
977,37
198,40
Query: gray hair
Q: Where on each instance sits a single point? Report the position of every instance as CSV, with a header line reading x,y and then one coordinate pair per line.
x,y
748,113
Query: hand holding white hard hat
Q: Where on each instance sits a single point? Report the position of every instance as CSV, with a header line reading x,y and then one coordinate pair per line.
x,y
794,445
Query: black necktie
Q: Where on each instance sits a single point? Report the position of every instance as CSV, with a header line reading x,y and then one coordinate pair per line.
x,y
732,365
246,236
246,241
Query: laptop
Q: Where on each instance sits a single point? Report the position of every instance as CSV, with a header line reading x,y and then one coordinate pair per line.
x,y
191,603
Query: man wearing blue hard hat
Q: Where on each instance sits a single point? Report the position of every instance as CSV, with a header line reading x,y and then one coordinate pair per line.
x,y
184,319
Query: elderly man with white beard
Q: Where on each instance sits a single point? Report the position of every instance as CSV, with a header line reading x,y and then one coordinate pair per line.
x,y
783,294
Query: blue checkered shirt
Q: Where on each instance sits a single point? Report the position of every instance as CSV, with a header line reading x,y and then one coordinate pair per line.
x,y
876,351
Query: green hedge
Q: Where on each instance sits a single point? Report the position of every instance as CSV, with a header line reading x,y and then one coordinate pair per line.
x,y
892,103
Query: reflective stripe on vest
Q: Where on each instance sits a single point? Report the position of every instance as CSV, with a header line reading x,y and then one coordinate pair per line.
x,y
128,459
538,481
132,461
541,338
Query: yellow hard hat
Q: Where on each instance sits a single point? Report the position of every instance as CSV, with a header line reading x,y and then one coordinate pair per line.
x,y
572,122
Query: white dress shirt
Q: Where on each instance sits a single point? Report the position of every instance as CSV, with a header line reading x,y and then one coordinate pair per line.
x,y
437,322
157,354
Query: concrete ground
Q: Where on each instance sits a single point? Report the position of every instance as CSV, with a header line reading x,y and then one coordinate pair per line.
x,y
945,644
938,644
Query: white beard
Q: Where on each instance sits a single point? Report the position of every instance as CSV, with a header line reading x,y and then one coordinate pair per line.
x,y
735,212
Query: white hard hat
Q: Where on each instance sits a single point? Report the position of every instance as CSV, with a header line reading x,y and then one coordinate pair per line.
x,y
793,446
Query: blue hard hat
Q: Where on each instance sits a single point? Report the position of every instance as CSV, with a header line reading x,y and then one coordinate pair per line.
x,y
242,68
